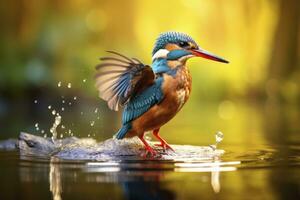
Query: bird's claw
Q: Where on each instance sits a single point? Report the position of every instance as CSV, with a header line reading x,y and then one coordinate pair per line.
x,y
150,153
165,146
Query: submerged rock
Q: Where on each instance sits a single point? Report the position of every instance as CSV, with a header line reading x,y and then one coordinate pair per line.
x,y
9,145
73,148
36,145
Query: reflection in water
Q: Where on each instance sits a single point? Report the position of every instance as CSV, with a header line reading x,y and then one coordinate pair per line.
x,y
152,190
215,178
143,180
213,167
55,179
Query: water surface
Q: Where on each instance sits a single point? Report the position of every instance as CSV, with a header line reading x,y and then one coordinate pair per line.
x,y
261,160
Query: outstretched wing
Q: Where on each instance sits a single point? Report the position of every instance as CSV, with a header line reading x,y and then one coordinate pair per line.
x,y
120,78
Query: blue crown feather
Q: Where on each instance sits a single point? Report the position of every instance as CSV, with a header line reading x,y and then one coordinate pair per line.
x,y
171,37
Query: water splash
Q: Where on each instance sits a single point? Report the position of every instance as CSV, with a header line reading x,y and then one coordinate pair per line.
x,y
70,132
96,110
92,123
59,84
53,112
54,126
49,107
69,85
219,137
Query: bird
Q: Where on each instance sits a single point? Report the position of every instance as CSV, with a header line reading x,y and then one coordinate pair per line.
x,y
150,95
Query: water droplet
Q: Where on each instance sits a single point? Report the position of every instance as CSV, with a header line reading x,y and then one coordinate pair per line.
x,y
92,123
84,80
37,126
53,112
62,109
69,85
61,135
42,131
96,110
98,117
89,135
35,101
45,136
49,107
70,103
63,127
75,98
59,84
57,120
219,137
81,113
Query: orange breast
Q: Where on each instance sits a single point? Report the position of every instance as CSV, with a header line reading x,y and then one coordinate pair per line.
x,y
176,91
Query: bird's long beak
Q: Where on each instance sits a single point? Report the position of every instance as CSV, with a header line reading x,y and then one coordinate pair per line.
x,y
205,54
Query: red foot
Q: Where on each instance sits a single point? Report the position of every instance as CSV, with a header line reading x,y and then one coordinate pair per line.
x,y
163,143
165,146
149,150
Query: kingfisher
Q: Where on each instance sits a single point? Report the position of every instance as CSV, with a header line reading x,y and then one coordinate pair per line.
x,y
150,96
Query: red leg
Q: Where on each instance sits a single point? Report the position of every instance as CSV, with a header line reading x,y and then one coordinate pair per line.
x,y
148,148
163,143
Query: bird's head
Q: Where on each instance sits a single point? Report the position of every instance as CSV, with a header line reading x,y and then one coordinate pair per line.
x,y
180,46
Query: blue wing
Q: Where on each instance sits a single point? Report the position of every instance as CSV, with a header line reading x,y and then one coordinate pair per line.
x,y
139,104
124,81
143,101
118,79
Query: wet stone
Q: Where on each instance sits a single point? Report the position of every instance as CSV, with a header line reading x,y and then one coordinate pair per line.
x,y
72,148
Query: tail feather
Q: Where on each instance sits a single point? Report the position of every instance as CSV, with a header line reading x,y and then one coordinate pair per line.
x,y
122,132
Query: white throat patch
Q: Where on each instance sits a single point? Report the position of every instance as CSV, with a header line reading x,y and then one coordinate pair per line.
x,y
162,53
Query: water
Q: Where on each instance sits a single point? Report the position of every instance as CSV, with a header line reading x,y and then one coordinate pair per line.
x,y
56,123
252,158
262,173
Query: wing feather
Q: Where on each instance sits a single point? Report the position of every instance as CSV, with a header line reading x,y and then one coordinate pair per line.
x,y
119,78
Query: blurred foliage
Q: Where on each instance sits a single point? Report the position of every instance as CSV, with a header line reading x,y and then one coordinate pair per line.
x,y
44,42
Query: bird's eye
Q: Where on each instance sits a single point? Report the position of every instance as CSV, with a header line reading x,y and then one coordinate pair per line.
x,y
183,44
